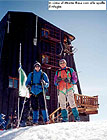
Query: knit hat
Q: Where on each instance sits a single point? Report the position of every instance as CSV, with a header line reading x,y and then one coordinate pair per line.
x,y
62,60
36,64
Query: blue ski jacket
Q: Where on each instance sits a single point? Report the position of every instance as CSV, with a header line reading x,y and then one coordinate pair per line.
x,y
36,87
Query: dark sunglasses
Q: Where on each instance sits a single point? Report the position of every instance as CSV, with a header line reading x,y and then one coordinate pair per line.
x,y
62,63
37,66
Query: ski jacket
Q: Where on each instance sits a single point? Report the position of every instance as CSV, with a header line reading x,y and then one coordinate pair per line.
x,y
65,73
36,87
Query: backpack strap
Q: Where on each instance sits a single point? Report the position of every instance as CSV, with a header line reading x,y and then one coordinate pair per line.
x,y
68,69
42,73
31,78
59,70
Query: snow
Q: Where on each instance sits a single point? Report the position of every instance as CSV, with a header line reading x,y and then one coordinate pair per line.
x,y
96,130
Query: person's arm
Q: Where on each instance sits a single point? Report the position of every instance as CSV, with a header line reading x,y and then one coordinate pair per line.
x,y
28,81
55,79
46,79
74,76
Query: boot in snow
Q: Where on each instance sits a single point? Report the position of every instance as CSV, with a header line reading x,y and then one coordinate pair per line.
x,y
23,123
75,114
35,116
45,116
64,114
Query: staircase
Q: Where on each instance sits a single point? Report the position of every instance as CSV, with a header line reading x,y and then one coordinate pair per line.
x,y
85,104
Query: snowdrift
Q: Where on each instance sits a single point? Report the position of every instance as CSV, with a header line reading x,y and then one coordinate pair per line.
x,y
59,131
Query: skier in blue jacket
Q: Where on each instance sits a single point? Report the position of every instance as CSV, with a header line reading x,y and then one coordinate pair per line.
x,y
37,96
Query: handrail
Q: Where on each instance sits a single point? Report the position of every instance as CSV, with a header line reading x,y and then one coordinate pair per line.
x,y
88,101
84,104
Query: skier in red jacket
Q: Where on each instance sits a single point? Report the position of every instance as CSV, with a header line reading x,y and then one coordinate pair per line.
x,y
64,79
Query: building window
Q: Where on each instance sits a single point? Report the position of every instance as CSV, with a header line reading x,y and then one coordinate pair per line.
x,y
45,33
10,83
13,82
45,59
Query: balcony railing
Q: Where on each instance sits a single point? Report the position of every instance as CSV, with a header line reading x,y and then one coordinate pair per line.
x,y
85,104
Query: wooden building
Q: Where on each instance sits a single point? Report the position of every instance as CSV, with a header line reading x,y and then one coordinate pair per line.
x,y
40,41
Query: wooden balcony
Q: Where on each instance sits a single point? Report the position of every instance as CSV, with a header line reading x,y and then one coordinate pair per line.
x,y
85,104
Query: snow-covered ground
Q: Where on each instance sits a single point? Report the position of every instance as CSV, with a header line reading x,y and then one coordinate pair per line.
x,y
60,131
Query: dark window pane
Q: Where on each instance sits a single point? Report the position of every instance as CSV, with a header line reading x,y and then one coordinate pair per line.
x,y
15,83
11,83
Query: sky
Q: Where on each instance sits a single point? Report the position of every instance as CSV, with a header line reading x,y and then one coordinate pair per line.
x,y
90,31
96,130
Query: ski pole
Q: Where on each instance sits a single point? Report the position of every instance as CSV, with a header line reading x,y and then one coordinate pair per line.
x,y
44,99
18,111
58,101
66,93
21,112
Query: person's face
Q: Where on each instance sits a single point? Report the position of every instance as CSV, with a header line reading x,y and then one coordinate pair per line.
x,y
37,68
62,64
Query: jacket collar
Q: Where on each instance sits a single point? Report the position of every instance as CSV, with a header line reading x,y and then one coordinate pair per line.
x,y
63,68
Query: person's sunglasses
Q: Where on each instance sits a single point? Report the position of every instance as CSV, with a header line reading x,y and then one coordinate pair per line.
x,y
37,66
61,63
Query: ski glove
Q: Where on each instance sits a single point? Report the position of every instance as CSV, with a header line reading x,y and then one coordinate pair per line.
x,y
66,80
44,83
58,79
29,87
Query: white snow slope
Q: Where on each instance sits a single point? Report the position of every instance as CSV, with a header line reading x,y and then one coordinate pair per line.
x,y
59,131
